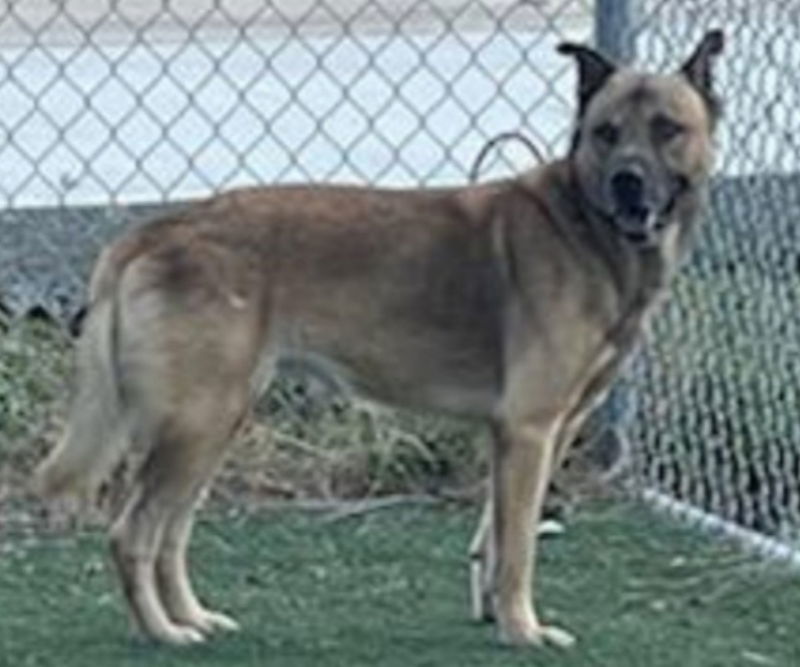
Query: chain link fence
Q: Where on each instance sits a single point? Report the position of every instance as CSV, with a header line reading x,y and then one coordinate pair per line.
x,y
146,101
114,109
721,376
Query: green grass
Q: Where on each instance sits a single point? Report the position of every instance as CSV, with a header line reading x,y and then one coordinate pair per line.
x,y
33,364
389,589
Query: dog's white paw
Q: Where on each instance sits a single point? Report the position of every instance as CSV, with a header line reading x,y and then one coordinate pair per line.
x,y
550,528
214,621
210,622
531,633
178,635
558,637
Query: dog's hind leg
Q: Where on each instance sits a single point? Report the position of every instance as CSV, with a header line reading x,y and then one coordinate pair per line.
x,y
149,538
174,584
135,538
172,572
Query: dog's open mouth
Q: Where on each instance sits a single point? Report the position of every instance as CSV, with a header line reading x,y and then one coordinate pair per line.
x,y
643,224
639,224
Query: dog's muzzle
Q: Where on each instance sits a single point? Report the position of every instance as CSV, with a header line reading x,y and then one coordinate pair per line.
x,y
639,212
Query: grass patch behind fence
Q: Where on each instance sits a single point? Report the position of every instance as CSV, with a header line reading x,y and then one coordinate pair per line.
x,y
390,589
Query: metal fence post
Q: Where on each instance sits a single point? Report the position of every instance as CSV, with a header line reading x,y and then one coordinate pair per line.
x,y
613,29
608,427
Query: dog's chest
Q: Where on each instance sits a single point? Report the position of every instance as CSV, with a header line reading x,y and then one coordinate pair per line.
x,y
620,345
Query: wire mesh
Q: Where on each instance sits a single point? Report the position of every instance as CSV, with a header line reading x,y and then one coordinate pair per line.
x,y
718,396
153,100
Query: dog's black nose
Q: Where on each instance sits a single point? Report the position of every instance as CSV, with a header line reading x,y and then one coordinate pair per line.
x,y
627,189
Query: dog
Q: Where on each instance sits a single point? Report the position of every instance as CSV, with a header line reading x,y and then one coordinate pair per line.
x,y
514,300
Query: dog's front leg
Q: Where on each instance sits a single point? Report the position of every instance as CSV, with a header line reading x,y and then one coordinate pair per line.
x,y
483,564
523,454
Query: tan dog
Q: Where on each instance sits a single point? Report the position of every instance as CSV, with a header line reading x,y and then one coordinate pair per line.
x,y
514,300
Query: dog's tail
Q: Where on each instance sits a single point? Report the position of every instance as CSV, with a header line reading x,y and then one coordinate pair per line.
x,y
96,436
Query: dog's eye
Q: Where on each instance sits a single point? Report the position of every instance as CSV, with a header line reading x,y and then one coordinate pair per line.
x,y
665,129
608,133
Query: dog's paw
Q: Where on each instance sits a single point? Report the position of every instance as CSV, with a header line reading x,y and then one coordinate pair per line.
x,y
215,621
557,637
210,622
177,635
531,633
550,528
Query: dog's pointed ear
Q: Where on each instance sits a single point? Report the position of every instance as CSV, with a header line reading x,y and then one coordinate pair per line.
x,y
698,68
594,69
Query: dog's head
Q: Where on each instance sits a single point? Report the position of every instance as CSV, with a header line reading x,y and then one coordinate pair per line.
x,y
642,148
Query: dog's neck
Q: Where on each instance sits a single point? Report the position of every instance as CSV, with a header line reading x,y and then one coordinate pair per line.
x,y
641,273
